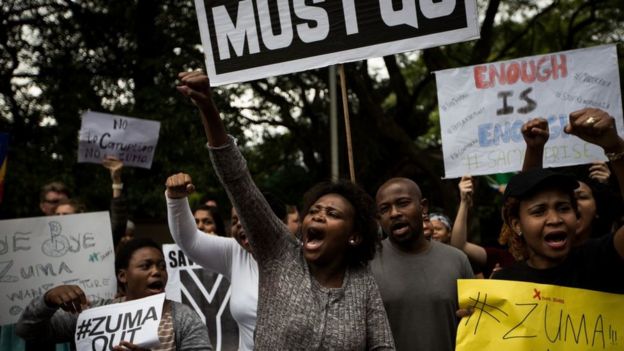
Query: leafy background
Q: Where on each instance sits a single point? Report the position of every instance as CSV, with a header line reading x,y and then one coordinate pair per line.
x,y
59,58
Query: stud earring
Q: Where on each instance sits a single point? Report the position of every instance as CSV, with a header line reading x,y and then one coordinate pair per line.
x,y
519,233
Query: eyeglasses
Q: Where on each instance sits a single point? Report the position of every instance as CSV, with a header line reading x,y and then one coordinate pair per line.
x,y
53,201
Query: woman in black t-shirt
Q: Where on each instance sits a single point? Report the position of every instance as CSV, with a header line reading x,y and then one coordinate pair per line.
x,y
540,212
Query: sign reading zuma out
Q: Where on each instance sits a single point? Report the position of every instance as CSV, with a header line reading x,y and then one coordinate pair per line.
x,y
252,39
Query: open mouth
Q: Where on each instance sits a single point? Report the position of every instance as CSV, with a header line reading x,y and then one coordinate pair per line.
x,y
399,228
313,239
556,240
243,238
156,286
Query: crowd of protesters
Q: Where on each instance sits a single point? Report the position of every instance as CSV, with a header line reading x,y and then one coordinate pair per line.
x,y
349,271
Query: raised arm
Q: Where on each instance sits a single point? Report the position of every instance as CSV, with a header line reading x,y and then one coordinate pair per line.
x,y
118,207
267,234
459,235
597,127
209,251
535,133
600,172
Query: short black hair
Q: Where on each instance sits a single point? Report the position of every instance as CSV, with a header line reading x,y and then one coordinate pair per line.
x,y
58,187
216,218
364,219
127,249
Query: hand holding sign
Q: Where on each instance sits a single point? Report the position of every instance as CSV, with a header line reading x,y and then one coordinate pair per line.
x,y
179,185
114,165
70,298
465,189
125,346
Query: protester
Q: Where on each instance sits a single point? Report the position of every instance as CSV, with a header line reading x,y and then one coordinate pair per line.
x,y
427,227
484,260
232,257
292,221
593,194
118,205
69,206
316,296
140,268
50,196
417,277
441,227
209,221
540,213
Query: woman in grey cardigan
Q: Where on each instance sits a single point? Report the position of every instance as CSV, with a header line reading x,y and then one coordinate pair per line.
x,y
140,267
318,295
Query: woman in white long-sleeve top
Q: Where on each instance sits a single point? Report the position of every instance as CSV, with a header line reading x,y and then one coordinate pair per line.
x,y
227,256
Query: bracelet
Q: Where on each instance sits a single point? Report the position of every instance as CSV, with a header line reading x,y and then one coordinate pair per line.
x,y
117,186
614,156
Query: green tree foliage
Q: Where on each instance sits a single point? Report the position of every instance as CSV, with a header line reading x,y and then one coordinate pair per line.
x,y
59,58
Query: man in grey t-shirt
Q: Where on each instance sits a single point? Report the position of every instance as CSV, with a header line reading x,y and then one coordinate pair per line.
x,y
417,278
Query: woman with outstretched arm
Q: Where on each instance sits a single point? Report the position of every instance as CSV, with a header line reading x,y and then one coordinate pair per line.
x,y
316,295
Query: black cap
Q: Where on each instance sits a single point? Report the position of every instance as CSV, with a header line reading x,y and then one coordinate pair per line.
x,y
524,183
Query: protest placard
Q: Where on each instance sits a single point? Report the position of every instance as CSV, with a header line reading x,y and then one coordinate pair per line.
x,y
132,140
208,293
252,39
518,316
104,327
37,254
483,107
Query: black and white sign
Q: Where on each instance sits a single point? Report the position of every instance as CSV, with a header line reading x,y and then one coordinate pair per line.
x,y
252,39
102,328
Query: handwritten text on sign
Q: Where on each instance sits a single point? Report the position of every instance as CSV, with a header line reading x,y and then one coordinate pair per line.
x,y
37,254
527,316
482,108
132,140
104,327
252,39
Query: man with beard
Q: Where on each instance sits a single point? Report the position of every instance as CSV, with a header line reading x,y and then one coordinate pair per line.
x,y
417,277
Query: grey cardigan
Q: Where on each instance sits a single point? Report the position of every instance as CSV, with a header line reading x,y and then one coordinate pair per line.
x,y
40,321
294,311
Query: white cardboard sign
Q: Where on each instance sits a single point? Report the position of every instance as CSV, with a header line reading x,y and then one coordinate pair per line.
x,y
483,107
132,140
37,254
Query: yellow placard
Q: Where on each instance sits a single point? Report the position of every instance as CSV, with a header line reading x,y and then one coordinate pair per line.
x,y
522,316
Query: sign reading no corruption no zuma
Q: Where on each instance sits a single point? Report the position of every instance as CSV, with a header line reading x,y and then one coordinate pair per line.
x,y
253,39
483,107
37,254
131,140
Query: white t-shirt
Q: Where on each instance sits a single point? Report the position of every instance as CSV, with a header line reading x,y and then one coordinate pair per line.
x,y
221,255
